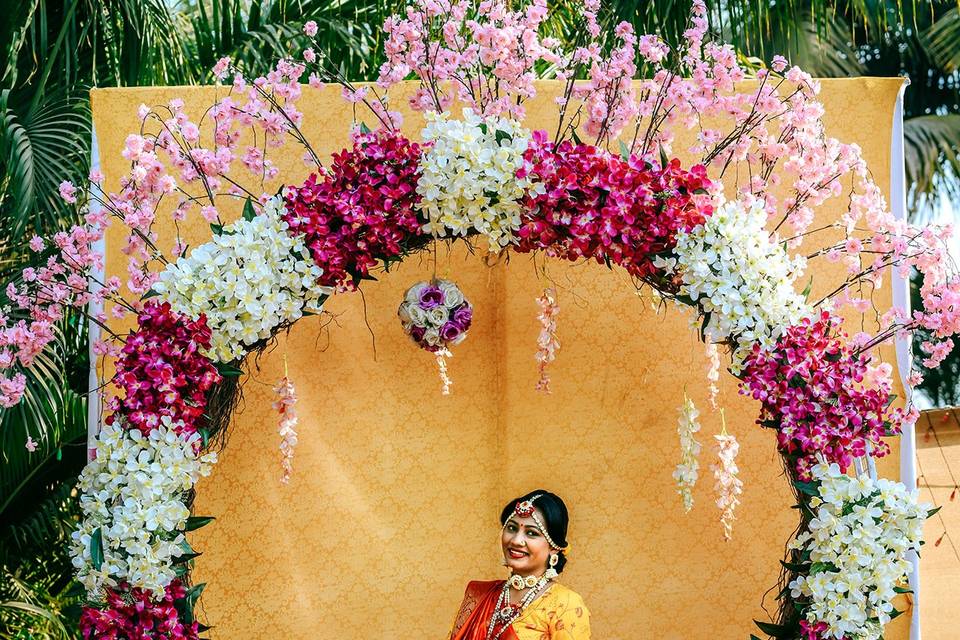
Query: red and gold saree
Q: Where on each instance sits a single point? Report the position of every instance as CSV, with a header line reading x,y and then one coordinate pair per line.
x,y
559,614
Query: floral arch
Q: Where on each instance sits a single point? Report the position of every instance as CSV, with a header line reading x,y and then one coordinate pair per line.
x,y
723,237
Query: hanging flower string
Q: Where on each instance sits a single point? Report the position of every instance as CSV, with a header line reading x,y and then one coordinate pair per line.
x,y
547,343
686,472
728,485
713,374
442,356
284,404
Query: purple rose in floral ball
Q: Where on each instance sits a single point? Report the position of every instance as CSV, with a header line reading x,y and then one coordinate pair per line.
x,y
463,316
450,331
435,315
431,297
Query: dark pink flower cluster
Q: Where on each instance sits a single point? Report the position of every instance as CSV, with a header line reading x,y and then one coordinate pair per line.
x,y
133,615
814,630
162,371
817,392
600,206
361,210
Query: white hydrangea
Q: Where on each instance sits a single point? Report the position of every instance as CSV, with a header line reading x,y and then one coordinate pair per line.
x,y
468,177
857,544
133,493
248,280
741,276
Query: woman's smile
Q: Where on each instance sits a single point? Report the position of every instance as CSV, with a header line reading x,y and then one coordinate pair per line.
x,y
517,553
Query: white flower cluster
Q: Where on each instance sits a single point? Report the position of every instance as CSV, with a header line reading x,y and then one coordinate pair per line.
x,y
740,276
468,177
132,498
686,472
248,280
857,543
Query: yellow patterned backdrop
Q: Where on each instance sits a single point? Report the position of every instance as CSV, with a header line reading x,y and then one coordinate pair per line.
x,y
396,490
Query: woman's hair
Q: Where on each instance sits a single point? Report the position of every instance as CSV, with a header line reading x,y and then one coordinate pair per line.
x,y
554,515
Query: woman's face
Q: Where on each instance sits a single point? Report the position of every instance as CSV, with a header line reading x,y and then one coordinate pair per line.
x,y
524,546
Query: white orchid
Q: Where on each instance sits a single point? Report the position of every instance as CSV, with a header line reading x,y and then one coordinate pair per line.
x,y
248,280
740,276
133,494
858,542
468,177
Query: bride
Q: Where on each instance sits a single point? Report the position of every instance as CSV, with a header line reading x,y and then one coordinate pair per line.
x,y
531,604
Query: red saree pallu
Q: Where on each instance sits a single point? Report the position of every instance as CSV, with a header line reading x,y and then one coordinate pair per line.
x,y
478,607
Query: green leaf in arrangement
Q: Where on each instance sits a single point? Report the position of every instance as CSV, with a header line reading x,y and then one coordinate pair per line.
x,y
364,128
624,150
195,522
794,566
217,229
96,549
775,630
150,294
576,138
193,594
501,136
185,558
902,590
190,601
249,213
663,158
806,289
934,511
227,370
806,488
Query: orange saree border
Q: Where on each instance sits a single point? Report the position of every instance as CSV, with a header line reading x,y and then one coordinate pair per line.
x,y
478,606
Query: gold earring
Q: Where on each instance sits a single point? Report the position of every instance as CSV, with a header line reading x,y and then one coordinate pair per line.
x,y
551,573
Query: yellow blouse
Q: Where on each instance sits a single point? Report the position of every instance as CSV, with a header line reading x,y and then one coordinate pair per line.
x,y
559,614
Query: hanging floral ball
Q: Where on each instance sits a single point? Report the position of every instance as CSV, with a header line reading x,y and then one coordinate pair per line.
x,y
435,314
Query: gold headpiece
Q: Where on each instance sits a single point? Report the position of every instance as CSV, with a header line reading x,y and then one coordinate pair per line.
x,y
525,509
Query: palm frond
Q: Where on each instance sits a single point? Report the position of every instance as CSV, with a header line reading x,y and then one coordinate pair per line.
x,y
932,156
40,148
256,34
55,627
943,40
13,31
52,413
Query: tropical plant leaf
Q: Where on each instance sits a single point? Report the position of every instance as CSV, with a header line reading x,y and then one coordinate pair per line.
x,y
943,40
932,157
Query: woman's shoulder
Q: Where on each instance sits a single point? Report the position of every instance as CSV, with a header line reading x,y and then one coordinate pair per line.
x,y
566,596
479,587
